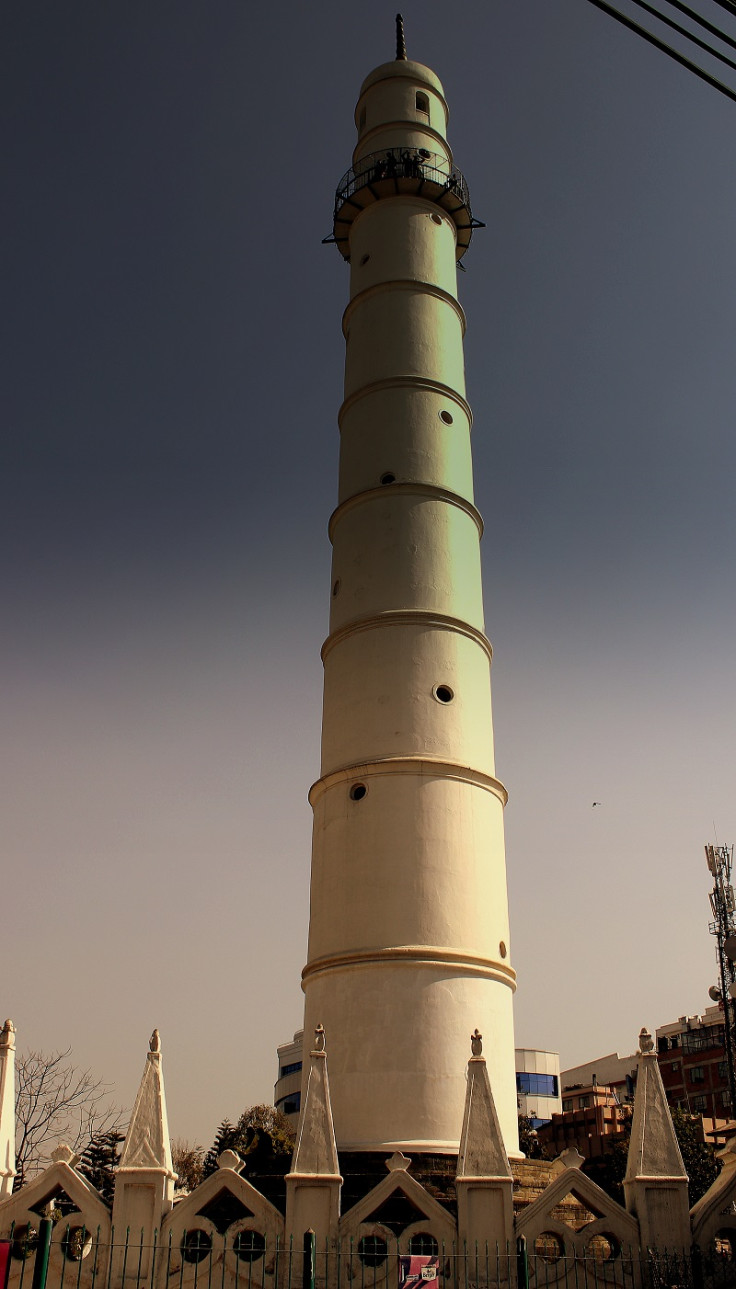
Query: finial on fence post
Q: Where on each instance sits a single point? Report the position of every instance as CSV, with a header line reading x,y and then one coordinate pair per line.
x,y
400,41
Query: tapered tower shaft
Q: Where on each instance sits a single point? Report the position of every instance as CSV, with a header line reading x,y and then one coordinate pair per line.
x,y
408,940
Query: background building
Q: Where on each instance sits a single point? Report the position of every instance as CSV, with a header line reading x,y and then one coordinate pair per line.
x,y
692,1060
538,1084
287,1095
592,1118
615,1071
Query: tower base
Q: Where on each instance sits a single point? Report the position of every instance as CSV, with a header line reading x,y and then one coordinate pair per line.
x,y
363,1169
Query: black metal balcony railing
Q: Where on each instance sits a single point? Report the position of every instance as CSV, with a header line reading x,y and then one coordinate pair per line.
x,y
409,171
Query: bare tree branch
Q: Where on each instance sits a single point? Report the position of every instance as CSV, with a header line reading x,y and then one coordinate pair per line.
x,y
188,1160
55,1100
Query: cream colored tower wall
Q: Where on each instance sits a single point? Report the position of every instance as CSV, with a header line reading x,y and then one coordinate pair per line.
x,y
437,537
379,698
387,114
393,234
409,874
409,937
426,449
415,1045
408,328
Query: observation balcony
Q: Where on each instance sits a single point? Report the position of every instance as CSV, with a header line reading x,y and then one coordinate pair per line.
x,y
414,172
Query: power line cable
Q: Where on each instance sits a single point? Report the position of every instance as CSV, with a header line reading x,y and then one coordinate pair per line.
x,y
666,49
642,4
702,22
728,5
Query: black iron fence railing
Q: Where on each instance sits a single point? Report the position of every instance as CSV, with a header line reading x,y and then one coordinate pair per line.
x,y
76,1258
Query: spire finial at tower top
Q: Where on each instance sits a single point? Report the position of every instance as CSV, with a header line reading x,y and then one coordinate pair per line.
x,y
400,41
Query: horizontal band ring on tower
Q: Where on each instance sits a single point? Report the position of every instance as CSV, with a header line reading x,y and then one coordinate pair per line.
x,y
404,284
389,125
412,955
407,617
424,766
428,490
408,381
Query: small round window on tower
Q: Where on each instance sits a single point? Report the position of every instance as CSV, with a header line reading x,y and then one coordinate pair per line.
x,y
358,791
436,219
502,949
443,693
388,478
446,417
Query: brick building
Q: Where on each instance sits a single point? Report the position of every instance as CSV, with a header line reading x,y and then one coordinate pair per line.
x,y
692,1060
592,1119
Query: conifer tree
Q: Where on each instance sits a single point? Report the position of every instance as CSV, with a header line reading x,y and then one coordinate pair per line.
x,y
263,1137
99,1160
223,1141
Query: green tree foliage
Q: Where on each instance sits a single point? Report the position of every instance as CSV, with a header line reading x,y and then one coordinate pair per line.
x,y
698,1157
528,1140
225,1134
262,1136
609,1170
99,1160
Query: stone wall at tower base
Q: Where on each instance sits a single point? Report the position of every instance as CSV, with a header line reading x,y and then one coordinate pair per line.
x,y
362,1170
531,1179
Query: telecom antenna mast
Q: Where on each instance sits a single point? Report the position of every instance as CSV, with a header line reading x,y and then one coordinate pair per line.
x,y
720,863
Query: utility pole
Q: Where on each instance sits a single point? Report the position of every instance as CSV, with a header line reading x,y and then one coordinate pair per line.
x,y
720,863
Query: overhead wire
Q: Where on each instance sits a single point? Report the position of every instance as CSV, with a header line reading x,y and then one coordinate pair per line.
x,y
702,44
702,22
665,48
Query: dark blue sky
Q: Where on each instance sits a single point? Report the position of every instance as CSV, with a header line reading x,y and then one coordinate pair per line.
x,y
173,368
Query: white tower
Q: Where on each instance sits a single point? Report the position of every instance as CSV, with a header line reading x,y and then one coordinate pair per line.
x,y
409,936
